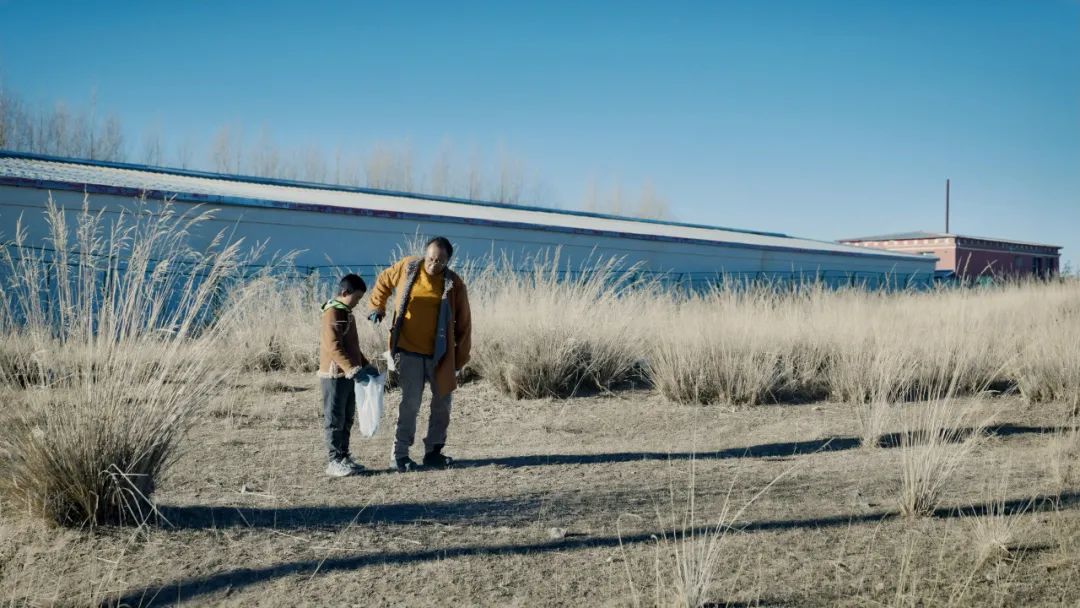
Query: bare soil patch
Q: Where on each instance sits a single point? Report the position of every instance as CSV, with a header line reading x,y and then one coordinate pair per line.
x,y
561,502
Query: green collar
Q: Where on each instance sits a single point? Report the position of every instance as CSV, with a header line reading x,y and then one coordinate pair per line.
x,y
336,303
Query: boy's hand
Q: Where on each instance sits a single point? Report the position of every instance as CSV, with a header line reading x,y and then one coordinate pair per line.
x,y
352,372
376,316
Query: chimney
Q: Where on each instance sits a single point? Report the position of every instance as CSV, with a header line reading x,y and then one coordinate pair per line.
x,y
946,206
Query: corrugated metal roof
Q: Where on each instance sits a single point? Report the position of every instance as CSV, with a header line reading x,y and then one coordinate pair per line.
x,y
910,236
47,172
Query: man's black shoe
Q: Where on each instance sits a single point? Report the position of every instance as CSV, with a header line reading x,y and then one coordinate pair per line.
x,y
436,459
406,465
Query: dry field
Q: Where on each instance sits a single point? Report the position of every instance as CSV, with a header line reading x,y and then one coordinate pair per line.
x,y
620,444
562,503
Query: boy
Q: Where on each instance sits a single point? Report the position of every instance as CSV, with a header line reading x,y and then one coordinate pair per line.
x,y
340,360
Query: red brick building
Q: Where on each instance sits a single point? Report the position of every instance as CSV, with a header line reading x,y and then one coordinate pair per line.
x,y
970,257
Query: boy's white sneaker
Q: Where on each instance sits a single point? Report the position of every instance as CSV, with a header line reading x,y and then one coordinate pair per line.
x,y
338,468
355,466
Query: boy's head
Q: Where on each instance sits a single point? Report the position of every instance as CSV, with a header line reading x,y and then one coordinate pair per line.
x,y
437,254
351,289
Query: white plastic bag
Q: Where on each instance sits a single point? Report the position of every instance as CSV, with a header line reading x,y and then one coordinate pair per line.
x,y
369,402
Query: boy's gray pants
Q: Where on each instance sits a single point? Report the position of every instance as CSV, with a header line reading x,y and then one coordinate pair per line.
x,y
339,410
414,371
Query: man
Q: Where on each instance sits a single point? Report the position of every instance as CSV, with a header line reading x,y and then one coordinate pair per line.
x,y
340,360
430,340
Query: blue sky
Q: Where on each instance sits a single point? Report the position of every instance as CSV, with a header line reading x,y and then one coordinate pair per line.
x,y
825,119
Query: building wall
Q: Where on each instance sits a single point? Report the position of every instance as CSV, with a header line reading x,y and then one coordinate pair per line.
x,y
363,242
972,262
970,258
944,249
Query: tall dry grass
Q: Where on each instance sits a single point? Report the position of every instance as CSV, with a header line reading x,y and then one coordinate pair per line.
x,y
689,552
748,347
724,346
270,323
939,437
548,331
1047,367
545,328
111,330
995,531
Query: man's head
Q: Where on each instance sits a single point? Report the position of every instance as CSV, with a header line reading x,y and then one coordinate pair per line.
x,y
351,289
437,254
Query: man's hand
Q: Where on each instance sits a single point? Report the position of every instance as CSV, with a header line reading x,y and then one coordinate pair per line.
x,y
376,316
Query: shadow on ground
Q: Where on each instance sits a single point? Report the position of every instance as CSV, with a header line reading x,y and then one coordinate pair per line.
x,y
497,511
765,450
188,588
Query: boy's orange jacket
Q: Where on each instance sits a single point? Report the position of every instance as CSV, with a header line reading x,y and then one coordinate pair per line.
x,y
339,344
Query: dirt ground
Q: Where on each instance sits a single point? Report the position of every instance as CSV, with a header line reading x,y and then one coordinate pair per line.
x,y
562,503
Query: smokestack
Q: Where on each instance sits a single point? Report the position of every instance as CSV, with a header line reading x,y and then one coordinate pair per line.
x,y
946,206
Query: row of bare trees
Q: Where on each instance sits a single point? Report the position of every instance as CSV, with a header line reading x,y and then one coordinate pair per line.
x,y
60,130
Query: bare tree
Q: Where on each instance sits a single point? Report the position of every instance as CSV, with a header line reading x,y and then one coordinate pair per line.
x,y
474,184
152,151
440,182
377,167
16,126
110,145
390,168
591,201
614,202
57,130
90,124
222,154
7,120
539,192
352,172
511,178
337,165
650,205
313,164
265,158
184,153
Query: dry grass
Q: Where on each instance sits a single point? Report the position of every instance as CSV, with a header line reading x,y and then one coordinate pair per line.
x,y
254,517
1064,457
545,329
116,370
995,531
550,331
938,437
759,346
874,418
1048,366
271,324
688,554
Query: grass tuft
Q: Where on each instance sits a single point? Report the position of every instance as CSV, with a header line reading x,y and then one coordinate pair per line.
x,y
120,357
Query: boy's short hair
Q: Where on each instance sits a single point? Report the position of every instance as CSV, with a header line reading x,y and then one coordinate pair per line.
x,y
351,283
443,243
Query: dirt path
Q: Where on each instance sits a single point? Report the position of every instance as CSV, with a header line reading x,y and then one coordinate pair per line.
x,y
560,503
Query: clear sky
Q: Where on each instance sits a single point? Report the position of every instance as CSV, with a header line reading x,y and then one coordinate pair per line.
x,y
825,119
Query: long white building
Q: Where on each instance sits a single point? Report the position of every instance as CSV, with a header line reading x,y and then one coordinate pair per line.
x,y
360,228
